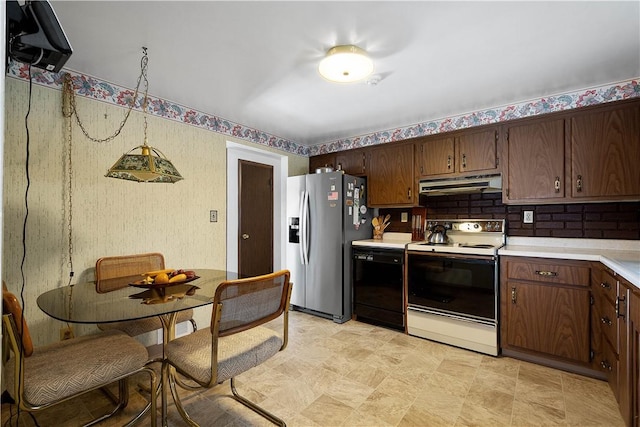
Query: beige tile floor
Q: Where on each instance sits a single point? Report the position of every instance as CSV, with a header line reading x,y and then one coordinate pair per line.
x,y
357,374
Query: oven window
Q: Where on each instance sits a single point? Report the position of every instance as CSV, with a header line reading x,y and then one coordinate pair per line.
x,y
465,287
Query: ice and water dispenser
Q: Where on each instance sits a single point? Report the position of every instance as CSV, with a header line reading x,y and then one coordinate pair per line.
x,y
294,230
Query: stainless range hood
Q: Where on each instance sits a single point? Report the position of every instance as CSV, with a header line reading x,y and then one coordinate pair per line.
x,y
464,185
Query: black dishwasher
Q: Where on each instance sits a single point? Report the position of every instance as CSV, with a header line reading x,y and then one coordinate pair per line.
x,y
378,286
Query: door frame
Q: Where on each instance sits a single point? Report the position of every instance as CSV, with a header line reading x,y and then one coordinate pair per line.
x,y
280,164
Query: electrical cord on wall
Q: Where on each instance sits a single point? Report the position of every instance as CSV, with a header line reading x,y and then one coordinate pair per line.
x,y
20,356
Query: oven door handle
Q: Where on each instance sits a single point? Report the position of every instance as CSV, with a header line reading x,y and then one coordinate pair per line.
x,y
453,316
450,255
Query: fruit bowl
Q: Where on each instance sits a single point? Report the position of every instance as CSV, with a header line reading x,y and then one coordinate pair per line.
x,y
143,284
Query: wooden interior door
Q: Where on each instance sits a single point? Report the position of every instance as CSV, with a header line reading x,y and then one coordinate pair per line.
x,y
255,222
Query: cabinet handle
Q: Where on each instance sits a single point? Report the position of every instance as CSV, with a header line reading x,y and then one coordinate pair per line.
x,y
556,184
339,167
619,302
448,162
606,365
579,184
546,273
605,321
409,193
605,285
514,296
464,161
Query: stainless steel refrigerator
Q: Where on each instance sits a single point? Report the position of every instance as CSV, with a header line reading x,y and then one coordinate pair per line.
x,y
325,212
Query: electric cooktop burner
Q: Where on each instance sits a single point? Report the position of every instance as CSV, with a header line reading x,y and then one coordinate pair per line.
x,y
466,236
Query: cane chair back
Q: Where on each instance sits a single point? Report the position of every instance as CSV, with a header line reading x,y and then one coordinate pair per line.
x,y
236,340
38,378
116,272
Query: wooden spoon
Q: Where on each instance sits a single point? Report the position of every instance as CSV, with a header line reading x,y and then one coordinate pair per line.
x,y
374,221
386,218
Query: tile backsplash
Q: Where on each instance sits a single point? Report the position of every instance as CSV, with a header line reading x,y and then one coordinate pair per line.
x,y
615,220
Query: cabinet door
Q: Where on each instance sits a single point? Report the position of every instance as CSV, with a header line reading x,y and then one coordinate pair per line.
x,y
477,151
322,160
634,355
624,365
535,162
605,153
549,319
437,156
390,176
352,162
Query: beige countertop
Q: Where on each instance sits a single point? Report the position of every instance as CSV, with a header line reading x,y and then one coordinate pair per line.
x,y
389,241
622,256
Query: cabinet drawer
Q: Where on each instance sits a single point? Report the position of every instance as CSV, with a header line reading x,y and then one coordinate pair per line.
x,y
550,272
609,365
608,324
606,287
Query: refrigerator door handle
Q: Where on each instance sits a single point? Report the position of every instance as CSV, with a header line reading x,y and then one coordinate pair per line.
x,y
305,229
302,227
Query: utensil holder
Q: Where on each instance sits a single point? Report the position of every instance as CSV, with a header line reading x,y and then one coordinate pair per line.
x,y
378,232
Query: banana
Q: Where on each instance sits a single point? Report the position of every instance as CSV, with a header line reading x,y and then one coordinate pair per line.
x,y
178,278
155,273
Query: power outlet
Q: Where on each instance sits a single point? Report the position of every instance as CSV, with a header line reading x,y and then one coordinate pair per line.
x,y
66,333
404,217
213,216
528,217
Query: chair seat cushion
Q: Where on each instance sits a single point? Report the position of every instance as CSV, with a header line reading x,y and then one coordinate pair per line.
x,y
237,353
142,326
66,368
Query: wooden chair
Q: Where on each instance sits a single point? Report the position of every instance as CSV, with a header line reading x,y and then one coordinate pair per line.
x,y
38,378
236,341
116,272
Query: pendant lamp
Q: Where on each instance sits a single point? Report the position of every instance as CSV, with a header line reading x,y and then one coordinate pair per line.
x,y
150,165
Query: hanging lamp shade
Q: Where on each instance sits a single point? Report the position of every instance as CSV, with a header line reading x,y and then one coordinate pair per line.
x,y
151,165
345,64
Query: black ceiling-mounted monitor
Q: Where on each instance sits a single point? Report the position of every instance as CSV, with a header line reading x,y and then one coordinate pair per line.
x,y
35,36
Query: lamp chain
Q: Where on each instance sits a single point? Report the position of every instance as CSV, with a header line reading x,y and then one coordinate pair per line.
x,y
69,99
145,103
67,114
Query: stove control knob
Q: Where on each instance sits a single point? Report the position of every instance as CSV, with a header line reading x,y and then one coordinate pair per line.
x,y
476,226
489,226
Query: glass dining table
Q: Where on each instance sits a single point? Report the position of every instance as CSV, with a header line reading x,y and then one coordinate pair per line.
x,y
80,303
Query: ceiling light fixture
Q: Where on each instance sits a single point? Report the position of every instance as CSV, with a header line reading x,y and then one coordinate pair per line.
x,y
151,165
346,64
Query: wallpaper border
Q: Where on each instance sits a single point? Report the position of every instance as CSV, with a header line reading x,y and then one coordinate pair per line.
x,y
100,90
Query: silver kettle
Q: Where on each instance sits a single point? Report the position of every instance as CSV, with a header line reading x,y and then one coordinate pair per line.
x,y
438,235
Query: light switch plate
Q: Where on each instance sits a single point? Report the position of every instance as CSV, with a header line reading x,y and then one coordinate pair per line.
x,y
528,217
404,217
213,216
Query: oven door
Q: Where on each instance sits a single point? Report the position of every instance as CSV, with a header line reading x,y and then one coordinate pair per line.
x,y
460,286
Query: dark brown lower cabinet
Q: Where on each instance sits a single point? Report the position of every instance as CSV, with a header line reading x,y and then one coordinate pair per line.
x,y
616,337
545,311
634,356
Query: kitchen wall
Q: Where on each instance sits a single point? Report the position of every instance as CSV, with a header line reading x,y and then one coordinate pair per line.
x,y
620,220
110,217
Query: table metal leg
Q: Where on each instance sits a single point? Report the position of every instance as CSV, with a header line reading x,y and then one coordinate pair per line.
x,y
168,334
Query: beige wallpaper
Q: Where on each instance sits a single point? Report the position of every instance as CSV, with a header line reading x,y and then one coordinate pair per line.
x,y
110,217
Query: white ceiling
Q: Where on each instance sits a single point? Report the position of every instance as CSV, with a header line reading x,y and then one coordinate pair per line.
x,y
255,63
